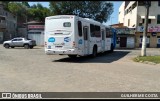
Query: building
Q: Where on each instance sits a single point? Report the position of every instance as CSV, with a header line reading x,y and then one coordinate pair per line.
x,y
125,36
8,24
35,31
132,15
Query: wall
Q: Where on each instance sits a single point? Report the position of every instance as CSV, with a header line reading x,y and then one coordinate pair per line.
x,y
39,38
121,13
137,12
135,18
22,32
36,32
154,10
130,42
132,15
10,22
153,39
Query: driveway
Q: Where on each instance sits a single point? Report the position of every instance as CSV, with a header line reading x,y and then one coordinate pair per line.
x,y
31,70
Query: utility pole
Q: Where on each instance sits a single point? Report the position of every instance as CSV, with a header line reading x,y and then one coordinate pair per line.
x,y
26,20
26,26
143,50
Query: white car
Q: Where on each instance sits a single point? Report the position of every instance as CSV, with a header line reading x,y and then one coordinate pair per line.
x,y
20,42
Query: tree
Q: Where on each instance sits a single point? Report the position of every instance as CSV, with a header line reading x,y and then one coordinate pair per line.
x,y
97,10
15,8
18,9
5,3
25,4
38,12
25,12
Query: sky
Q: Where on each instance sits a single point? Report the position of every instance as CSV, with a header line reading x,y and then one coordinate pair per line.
x,y
113,19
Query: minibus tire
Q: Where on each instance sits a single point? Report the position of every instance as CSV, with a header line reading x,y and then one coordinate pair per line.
x,y
72,56
94,53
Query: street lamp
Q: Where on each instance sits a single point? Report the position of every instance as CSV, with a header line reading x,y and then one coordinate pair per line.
x,y
147,5
111,20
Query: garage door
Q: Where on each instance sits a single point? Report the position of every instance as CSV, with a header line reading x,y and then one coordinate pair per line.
x,y
39,38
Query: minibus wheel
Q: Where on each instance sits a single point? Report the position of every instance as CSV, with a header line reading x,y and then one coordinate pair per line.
x,y
94,53
72,56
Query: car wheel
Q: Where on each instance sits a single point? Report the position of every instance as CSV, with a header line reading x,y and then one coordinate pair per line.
x,y
31,47
12,46
26,46
6,45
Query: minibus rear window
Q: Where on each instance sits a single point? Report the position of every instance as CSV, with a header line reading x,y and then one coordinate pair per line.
x,y
66,24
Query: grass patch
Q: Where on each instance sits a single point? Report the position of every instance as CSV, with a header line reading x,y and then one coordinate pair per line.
x,y
154,59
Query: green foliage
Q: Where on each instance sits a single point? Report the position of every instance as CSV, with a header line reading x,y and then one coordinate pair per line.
x,y
16,8
19,10
24,11
26,4
38,12
5,4
97,10
154,59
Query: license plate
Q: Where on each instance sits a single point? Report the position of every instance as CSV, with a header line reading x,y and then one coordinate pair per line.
x,y
58,46
58,33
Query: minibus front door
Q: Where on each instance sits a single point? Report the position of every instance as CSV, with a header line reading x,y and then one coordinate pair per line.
x,y
86,42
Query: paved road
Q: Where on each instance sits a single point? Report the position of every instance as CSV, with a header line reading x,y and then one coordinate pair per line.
x,y
30,70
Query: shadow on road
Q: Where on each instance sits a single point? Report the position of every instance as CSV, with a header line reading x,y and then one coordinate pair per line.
x,y
101,58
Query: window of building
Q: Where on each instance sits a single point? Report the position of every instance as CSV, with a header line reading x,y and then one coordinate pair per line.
x,y
30,32
128,22
129,9
134,5
118,40
147,40
141,3
158,39
140,24
79,28
125,12
37,32
158,19
149,21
